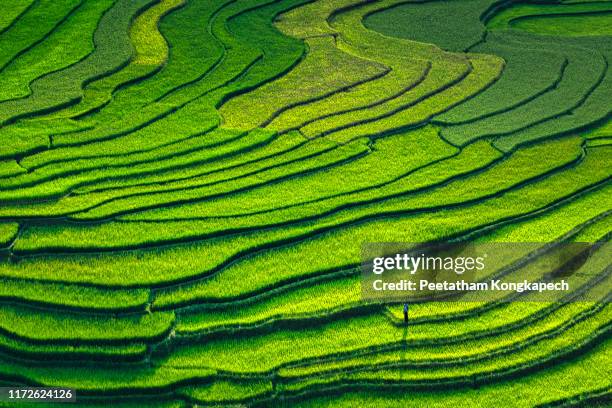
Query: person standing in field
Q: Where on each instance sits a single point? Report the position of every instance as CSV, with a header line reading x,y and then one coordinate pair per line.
x,y
405,313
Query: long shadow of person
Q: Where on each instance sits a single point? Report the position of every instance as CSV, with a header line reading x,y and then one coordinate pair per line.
x,y
404,353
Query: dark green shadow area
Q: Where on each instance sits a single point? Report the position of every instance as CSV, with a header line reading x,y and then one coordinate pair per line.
x,y
576,25
453,25
576,20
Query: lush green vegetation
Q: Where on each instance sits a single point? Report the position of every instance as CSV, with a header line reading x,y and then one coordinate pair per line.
x,y
69,43
11,10
185,186
553,384
434,26
568,25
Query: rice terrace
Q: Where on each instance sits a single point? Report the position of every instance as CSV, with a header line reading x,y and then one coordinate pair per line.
x,y
185,186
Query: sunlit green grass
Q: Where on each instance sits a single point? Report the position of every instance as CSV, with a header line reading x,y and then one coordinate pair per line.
x,y
185,187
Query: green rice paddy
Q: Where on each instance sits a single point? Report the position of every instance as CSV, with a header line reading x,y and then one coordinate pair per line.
x,y
185,186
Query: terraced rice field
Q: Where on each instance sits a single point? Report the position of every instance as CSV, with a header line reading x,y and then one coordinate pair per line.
x,y
185,186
